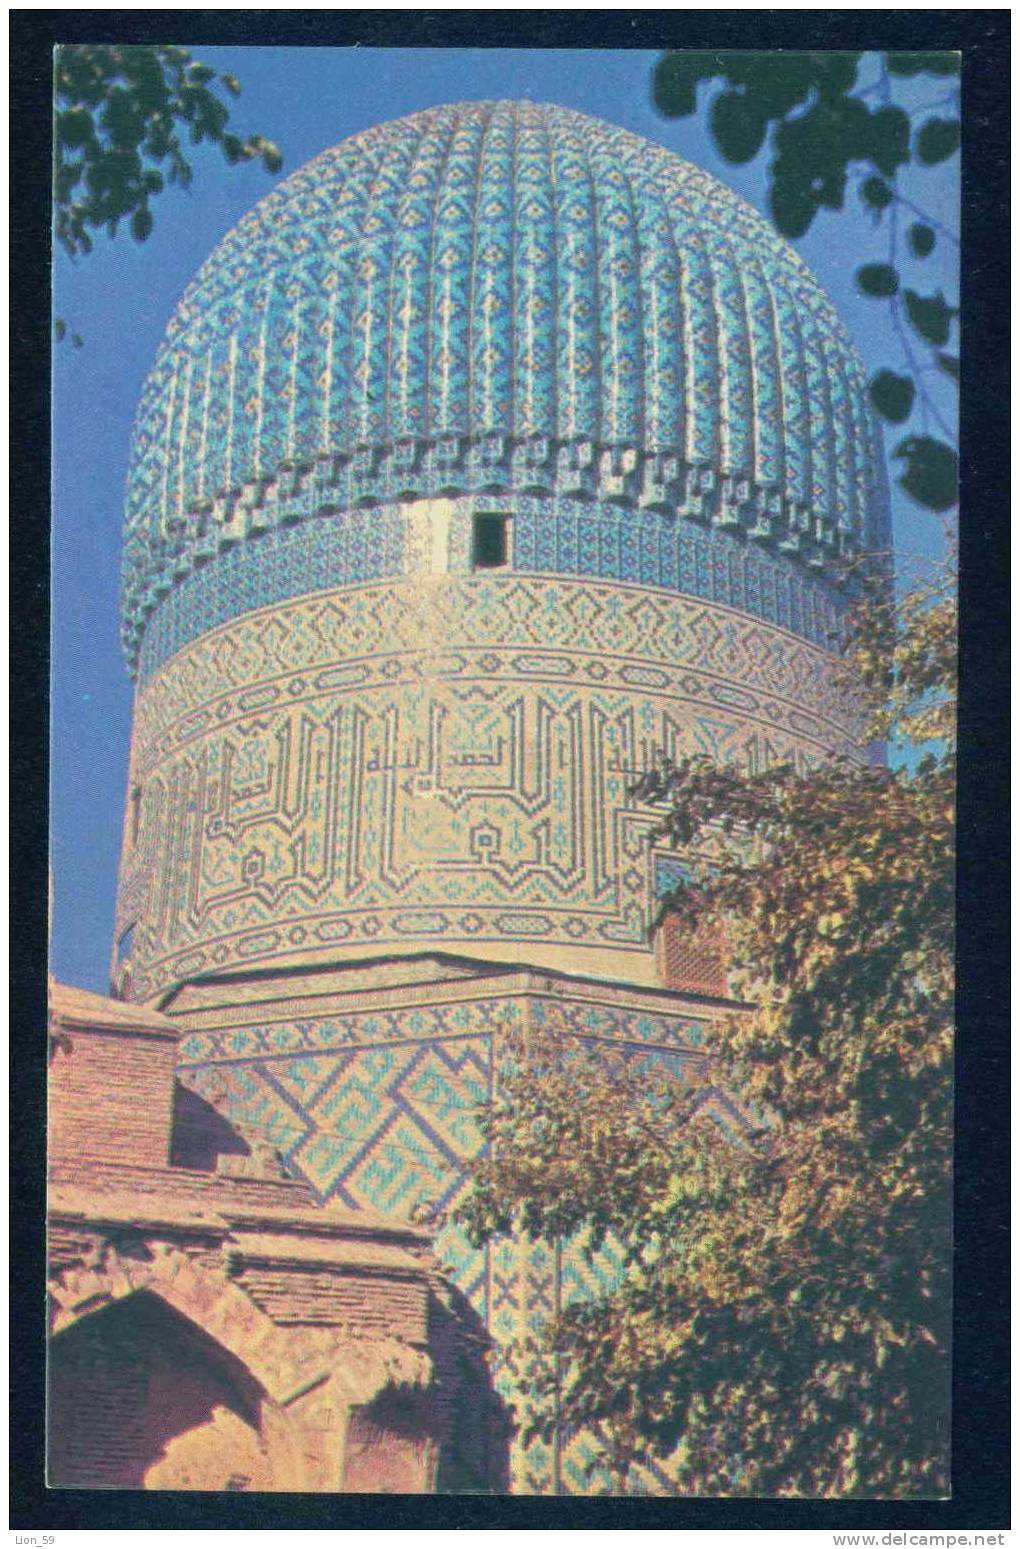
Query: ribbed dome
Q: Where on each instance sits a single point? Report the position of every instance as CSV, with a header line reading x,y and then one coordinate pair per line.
x,y
494,296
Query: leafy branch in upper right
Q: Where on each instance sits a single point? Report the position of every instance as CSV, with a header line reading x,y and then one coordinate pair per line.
x,y
828,131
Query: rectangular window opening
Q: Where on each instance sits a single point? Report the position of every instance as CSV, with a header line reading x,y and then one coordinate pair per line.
x,y
135,824
490,549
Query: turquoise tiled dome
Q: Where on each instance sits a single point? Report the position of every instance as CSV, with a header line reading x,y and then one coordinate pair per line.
x,y
499,297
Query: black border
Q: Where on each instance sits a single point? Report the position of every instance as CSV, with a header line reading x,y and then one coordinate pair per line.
x,y
980,1428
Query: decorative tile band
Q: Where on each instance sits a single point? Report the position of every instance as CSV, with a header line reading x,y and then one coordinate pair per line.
x,y
378,1109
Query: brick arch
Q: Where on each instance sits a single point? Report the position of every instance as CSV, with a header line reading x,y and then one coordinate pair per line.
x,y
313,1379
140,1398
280,1364
277,1359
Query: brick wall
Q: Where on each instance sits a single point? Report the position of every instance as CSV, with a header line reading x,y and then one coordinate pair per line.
x,y
388,1451
157,1188
111,1095
370,1306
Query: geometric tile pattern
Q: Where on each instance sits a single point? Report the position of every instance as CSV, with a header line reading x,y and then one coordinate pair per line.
x,y
404,762
377,1108
499,297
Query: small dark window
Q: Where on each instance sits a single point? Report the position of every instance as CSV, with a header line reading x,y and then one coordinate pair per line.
x,y
124,943
491,542
136,815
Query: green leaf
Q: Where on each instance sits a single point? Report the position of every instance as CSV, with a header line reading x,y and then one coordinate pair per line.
x,y
889,138
932,472
877,280
950,365
675,81
121,117
738,126
876,192
814,149
892,395
922,240
937,139
75,127
930,316
835,72
781,81
793,206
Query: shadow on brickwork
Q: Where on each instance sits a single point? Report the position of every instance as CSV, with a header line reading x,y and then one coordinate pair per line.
x,y
200,1133
477,1427
139,1398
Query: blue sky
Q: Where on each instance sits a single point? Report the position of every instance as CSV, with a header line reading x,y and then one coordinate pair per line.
x,y
121,297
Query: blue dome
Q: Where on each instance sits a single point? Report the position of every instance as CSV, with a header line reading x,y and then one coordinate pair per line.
x,y
499,297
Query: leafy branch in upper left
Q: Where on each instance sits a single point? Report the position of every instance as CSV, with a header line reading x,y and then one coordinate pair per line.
x,y
122,117
120,113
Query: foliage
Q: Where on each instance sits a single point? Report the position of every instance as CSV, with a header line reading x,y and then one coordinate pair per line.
x,y
119,117
782,1323
826,135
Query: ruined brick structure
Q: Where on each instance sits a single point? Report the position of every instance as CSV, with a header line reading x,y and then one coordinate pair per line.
x,y
219,1329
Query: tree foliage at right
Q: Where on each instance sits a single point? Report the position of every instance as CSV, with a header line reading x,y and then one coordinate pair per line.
x,y
830,133
781,1325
